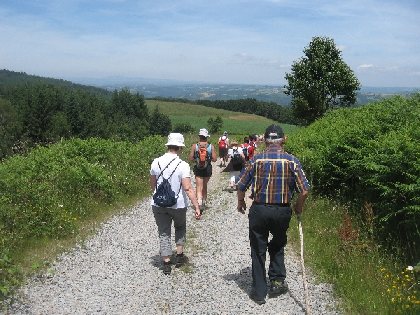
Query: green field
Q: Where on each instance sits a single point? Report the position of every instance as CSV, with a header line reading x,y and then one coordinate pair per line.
x,y
197,116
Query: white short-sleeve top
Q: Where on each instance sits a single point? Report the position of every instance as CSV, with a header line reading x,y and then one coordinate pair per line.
x,y
181,171
230,151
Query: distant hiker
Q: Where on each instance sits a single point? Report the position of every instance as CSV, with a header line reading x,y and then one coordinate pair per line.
x,y
237,162
203,153
274,175
177,172
254,140
223,145
247,149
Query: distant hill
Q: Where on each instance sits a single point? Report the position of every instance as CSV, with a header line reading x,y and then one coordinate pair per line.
x,y
161,88
152,88
11,78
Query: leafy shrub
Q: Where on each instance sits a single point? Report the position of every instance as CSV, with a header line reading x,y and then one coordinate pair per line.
x,y
10,275
49,191
369,155
183,128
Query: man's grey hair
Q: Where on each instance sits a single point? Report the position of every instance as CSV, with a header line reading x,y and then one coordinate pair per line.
x,y
277,140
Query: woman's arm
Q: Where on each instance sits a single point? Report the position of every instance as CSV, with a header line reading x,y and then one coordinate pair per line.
x,y
192,153
213,153
152,181
186,185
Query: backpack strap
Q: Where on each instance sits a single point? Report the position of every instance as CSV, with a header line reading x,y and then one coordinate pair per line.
x,y
197,148
161,173
161,170
180,184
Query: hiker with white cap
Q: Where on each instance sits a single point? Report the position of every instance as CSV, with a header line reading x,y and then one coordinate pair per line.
x,y
223,145
203,154
171,170
274,176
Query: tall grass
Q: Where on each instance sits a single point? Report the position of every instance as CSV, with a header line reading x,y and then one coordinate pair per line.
x,y
366,279
366,158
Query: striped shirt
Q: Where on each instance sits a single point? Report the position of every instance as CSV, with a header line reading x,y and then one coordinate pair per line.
x,y
274,175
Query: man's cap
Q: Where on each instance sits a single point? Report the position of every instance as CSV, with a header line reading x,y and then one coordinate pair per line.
x,y
225,132
204,132
176,139
273,132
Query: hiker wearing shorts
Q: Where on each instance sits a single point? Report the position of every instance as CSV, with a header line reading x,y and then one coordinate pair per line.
x,y
237,162
171,167
202,176
274,176
223,145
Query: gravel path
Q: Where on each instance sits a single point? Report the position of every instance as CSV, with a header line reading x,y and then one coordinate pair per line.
x,y
117,271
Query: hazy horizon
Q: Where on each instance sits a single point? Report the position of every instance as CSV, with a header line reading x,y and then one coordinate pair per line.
x,y
220,42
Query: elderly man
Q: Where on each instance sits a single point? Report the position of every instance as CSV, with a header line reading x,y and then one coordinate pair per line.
x,y
274,176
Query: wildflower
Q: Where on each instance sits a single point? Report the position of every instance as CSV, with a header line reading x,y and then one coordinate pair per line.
x,y
410,268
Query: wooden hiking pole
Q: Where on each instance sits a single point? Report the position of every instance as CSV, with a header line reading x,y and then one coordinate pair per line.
x,y
305,286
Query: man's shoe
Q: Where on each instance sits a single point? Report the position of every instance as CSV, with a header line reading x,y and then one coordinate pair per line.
x,y
259,301
277,287
180,260
167,268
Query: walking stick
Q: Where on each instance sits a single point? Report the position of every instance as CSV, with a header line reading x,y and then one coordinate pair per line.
x,y
305,287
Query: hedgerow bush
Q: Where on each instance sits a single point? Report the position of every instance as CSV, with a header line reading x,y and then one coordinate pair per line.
x,y
49,191
369,157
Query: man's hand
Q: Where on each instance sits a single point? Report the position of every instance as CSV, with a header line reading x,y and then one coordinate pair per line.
x,y
241,206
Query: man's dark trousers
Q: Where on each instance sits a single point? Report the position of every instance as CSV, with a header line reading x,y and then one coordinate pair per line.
x,y
265,219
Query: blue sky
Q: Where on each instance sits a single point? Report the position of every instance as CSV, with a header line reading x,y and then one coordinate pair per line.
x,y
230,41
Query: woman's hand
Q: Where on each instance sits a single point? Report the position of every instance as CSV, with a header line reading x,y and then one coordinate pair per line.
x,y
197,213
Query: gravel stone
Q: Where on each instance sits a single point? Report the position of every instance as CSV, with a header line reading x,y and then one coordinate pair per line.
x,y
118,270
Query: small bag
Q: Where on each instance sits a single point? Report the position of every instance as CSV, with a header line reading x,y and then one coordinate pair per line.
x,y
164,196
237,161
202,155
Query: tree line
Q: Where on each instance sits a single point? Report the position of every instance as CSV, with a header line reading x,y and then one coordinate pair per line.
x,y
38,114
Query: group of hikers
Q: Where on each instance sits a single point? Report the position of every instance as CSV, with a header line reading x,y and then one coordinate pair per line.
x,y
273,176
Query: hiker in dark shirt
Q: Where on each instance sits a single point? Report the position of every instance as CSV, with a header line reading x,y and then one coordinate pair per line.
x,y
274,175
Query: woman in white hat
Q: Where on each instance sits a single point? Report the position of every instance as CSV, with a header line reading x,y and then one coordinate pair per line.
x,y
202,169
177,172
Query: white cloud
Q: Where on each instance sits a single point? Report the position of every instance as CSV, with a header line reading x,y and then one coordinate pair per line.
x,y
366,66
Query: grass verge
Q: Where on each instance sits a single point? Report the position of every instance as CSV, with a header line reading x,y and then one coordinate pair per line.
x,y
366,279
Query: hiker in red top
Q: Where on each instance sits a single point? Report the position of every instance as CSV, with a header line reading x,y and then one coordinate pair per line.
x,y
203,153
223,149
247,149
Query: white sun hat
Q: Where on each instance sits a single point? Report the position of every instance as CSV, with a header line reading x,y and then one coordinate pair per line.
x,y
176,139
204,132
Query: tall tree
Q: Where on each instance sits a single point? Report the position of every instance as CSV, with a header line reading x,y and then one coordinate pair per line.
x,y
160,124
215,125
320,81
128,115
10,128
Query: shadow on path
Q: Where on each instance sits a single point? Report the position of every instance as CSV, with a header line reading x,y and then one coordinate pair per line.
x,y
243,279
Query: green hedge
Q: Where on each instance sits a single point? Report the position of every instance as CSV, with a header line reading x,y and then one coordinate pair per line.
x,y
49,191
369,156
